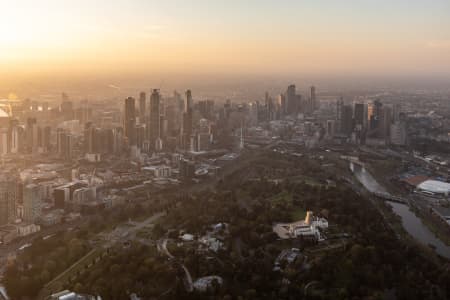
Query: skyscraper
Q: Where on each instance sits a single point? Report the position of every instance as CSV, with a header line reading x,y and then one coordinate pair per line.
x,y
347,120
313,103
142,112
375,115
281,104
154,128
130,120
64,144
8,197
291,100
187,121
188,101
339,105
31,203
360,114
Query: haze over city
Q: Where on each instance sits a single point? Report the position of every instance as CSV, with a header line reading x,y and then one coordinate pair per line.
x,y
225,150
181,41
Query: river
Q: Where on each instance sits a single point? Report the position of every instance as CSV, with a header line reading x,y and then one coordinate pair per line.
x,y
411,223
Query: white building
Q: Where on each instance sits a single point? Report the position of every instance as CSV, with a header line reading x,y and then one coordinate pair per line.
x,y
398,133
309,228
434,187
31,203
24,229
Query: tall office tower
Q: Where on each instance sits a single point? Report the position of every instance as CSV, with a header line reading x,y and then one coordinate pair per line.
x,y
253,113
84,112
369,115
118,136
17,138
4,147
360,115
206,108
281,104
347,120
64,144
339,106
385,122
375,115
40,139
270,107
130,121
154,122
330,130
187,121
142,112
30,134
188,101
313,105
46,139
140,135
31,203
66,107
396,111
8,197
398,133
360,121
291,100
88,137
266,108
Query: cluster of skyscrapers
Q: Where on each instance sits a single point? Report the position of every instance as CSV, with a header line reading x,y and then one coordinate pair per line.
x,y
370,122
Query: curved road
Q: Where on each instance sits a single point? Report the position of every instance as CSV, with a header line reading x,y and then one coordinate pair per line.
x,y
162,247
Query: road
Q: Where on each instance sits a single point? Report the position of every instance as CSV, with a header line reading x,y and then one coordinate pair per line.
x,y
162,247
14,246
108,241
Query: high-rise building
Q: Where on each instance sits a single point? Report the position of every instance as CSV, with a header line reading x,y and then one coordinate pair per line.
x,y
385,122
313,99
8,197
339,106
206,108
118,136
330,130
4,147
142,107
375,115
31,136
347,120
396,111
188,101
360,115
130,120
281,104
398,133
292,100
64,144
31,203
154,128
187,121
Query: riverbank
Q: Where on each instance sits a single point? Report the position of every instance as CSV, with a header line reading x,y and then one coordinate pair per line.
x,y
421,210
411,227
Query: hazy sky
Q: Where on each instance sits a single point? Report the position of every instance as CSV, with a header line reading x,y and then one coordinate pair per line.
x,y
230,36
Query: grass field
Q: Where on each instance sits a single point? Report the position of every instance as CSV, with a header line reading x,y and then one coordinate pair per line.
x,y
298,214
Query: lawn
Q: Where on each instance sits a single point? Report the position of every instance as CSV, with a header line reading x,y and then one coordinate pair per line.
x,y
298,214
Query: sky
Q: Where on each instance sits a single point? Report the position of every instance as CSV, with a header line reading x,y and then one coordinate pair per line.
x,y
54,38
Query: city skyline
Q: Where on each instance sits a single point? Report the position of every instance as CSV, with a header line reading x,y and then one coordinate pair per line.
x,y
320,38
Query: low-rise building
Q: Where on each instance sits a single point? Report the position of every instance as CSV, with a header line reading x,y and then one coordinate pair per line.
x,y
24,229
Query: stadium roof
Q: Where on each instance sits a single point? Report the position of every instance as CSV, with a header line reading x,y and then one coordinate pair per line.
x,y
435,186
